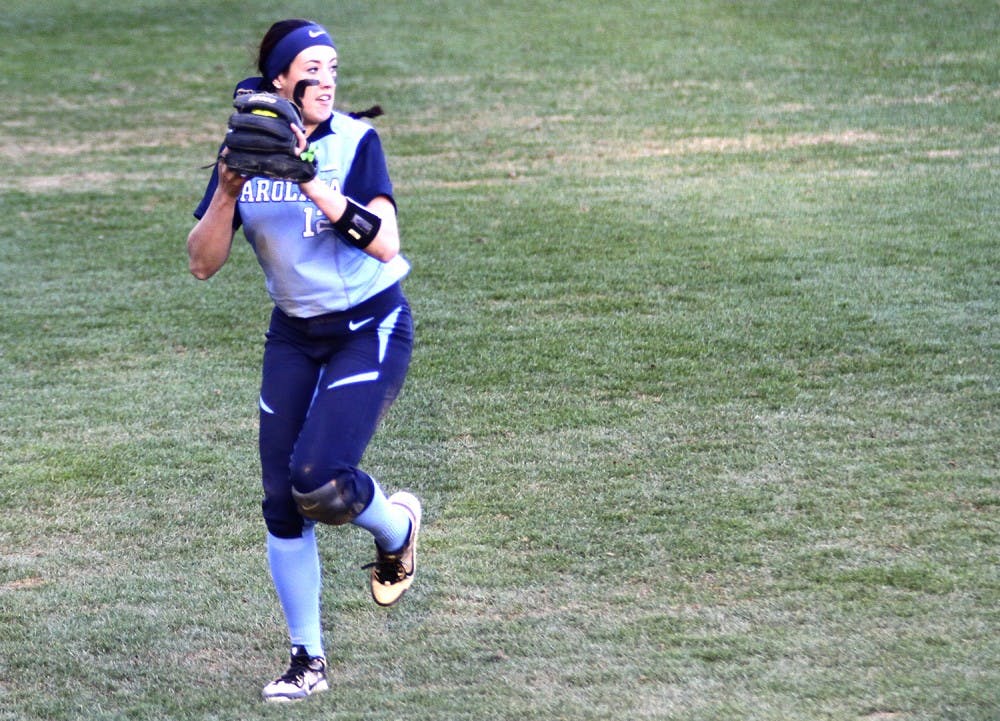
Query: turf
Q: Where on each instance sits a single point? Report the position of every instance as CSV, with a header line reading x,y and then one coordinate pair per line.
x,y
704,403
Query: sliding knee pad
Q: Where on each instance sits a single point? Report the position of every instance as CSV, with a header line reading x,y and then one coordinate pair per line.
x,y
339,501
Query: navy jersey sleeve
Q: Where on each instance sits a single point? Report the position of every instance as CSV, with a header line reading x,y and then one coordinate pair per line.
x,y
202,208
368,177
206,199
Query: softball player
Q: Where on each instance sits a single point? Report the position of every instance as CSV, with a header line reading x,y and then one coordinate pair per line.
x,y
338,346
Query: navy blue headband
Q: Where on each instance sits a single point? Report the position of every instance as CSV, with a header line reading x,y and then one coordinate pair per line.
x,y
293,44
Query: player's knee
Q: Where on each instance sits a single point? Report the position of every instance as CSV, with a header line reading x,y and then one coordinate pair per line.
x,y
285,527
281,515
339,498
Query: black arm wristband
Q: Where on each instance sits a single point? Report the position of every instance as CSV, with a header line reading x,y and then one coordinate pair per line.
x,y
358,225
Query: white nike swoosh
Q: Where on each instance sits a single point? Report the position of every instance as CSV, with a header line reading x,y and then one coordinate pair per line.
x,y
354,325
316,33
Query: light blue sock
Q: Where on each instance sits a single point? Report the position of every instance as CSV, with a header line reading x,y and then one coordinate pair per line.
x,y
389,523
295,570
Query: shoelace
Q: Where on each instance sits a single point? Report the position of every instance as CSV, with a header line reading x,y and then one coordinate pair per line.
x,y
296,672
388,570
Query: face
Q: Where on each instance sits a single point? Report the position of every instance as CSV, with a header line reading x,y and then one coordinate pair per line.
x,y
314,63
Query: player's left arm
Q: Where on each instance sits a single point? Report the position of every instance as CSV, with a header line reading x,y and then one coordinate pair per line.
x,y
387,241
344,213
372,227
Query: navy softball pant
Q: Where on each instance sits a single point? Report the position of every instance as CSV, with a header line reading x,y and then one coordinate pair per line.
x,y
326,382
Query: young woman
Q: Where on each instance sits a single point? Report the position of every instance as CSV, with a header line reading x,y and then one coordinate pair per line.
x,y
339,342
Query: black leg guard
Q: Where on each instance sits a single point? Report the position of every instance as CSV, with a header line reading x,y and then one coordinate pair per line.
x,y
337,502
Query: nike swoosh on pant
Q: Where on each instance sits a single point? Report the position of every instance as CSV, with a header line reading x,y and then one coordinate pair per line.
x,y
354,325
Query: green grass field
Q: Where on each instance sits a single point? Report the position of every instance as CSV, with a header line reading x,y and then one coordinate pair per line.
x,y
704,406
